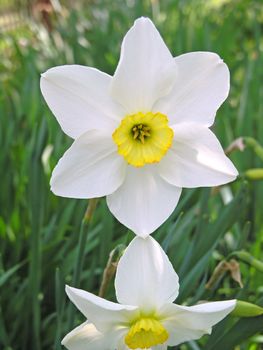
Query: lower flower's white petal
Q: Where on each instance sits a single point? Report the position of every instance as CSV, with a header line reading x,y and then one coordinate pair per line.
x,y
87,337
146,70
201,86
79,98
104,314
144,201
145,276
196,159
90,168
185,323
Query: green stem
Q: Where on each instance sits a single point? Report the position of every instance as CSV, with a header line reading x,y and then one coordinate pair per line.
x,y
248,258
254,145
83,235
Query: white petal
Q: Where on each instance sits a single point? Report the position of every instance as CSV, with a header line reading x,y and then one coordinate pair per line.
x,y
146,70
104,314
196,159
79,98
145,276
201,86
144,201
188,323
90,168
87,337
178,335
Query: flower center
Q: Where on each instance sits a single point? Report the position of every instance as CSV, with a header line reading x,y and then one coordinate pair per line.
x,y
141,132
145,333
143,138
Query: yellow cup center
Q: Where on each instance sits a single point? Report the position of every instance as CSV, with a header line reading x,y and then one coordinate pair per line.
x,y
145,333
143,138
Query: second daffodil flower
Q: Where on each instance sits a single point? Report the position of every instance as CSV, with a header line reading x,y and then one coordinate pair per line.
x,y
143,134
145,318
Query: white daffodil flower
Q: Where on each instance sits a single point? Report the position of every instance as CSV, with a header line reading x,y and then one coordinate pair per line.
x,y
145,318
143,134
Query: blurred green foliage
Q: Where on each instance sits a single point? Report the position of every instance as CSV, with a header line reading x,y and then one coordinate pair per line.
x,y
39,232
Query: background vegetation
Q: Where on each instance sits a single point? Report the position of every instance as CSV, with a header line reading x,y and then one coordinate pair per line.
x,y
39,232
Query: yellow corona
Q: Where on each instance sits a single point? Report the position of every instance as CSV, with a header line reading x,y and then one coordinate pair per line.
x,y
145,333
143,138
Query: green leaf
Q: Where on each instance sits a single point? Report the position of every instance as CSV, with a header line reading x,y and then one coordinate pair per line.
x,y
240,332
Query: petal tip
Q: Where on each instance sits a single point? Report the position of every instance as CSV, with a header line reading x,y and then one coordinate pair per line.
x,y
143,19
64,340
46,74
234,173
140,232
143,235
233,303
53,188
69,290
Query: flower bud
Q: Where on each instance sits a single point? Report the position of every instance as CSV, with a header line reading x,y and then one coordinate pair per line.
x,y
254,174
245,309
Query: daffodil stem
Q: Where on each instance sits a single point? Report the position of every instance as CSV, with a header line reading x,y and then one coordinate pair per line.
x,y
248,259
83,235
